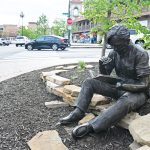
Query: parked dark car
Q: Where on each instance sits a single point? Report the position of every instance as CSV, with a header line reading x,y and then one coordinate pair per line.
x,y
48,42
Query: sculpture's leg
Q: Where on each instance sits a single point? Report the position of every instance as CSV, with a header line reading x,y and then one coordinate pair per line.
x,y
91,86
126,103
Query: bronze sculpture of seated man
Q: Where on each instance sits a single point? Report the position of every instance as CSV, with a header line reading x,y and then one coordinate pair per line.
x,y
131,64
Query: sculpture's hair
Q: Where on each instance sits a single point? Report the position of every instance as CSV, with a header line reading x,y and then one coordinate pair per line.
x,y
119,31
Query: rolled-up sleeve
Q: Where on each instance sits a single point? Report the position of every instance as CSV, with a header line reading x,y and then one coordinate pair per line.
x,y
142,64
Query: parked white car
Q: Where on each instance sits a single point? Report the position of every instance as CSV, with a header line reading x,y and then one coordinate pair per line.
x,y
4,42
21,40
136,38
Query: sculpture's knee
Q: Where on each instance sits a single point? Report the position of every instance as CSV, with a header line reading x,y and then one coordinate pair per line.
x,y
132,101
88,83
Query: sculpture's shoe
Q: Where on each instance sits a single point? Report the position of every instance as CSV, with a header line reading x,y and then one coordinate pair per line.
x,y
74,116
82,130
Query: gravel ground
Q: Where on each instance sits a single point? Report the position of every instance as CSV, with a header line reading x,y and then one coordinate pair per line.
x,y
23,114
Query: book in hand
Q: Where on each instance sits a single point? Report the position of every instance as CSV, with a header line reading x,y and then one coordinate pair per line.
x,y
108,79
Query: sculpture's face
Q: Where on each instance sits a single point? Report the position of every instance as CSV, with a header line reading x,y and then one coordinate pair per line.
x,y
118,44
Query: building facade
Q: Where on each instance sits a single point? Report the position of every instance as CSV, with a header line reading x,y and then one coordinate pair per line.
x,y
32,25
8,30
82,27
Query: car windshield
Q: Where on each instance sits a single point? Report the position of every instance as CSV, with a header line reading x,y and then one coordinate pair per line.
x,y
132,32
19,37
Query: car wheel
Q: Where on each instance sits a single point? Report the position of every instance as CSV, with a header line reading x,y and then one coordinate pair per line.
x,y
29,47
140,42
63,48
55,47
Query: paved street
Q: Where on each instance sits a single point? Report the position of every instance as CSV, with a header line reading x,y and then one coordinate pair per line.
x,y
17,60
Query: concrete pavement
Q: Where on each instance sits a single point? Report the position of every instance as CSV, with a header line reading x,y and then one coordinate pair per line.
x,y
12,68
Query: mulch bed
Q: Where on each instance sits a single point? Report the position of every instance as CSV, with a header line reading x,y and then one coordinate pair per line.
x,y
23,114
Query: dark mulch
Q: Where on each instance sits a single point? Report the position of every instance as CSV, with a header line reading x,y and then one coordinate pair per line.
x,y
23,114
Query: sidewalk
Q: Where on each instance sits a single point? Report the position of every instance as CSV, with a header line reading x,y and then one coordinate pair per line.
x,y
85,45
12,68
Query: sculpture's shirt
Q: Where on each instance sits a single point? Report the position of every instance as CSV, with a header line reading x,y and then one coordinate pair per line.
x,y
131,65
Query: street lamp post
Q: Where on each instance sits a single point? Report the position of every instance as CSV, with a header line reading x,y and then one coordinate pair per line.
x,y
22,16
69,17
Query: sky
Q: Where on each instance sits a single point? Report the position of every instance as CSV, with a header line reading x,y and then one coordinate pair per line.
x,y
10,10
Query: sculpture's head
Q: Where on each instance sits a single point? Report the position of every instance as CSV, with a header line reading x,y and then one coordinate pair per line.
x,y
118,37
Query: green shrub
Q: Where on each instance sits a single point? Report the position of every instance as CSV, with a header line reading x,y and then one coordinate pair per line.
x,y
81,65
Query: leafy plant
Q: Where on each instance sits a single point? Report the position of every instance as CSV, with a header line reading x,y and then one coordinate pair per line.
x,y
81,65
59,27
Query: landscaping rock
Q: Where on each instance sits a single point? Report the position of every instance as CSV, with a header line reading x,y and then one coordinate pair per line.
x,y
58,80
98,100
72,89
89,66
134,146
140,130
58,91
55,104
145,147
125,122
50,86
59,67
47,140
70,67
53,72
87,118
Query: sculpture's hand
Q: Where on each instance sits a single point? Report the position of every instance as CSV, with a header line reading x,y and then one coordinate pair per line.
x,y
105,60
119,85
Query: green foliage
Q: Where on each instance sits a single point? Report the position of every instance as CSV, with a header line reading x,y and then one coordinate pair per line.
x,y
30,33
106,13
58,27
146,38
42,25
81,65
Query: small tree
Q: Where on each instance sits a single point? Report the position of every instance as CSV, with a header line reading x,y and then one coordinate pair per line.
x,y
58,27
42,25
30,33
107,13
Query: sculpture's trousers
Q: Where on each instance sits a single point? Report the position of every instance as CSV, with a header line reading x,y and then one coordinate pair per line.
x,y
126,102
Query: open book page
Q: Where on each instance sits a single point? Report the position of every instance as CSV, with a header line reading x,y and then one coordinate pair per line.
x,y
108,78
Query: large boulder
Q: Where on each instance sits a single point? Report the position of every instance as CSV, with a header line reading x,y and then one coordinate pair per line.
x,y
140,129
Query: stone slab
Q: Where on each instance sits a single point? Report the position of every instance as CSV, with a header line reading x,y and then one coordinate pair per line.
x,y
58,91
55,104
47,140
87,118
125,122
72,89
140,129
58,80
70,67
98,100
134,146
50,86
89,66
53,72
145,147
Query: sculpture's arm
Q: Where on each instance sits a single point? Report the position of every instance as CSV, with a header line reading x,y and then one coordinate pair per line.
x,y
137,86
106,64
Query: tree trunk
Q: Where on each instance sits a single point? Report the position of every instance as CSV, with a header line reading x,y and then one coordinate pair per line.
x,y
104,43
104,46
